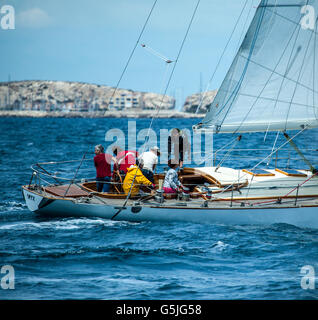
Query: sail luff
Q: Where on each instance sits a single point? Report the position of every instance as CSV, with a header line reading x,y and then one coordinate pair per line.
x,y
228,75
270,77
245,68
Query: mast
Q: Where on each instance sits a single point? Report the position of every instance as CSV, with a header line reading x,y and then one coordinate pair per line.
x,y
9,93
200,90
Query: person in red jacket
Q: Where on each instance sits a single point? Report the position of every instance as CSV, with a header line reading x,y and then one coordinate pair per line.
x,y
102,162
124,159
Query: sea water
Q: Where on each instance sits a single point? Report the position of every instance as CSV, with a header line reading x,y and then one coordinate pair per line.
x,y
81,258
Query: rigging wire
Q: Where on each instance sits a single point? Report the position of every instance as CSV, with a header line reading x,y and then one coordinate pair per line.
x,y
157,54
220,59
215,153
278,73
239,83
159,105
298,78
133,50
287,194
314,69
289,64
250,60
274,151
138,167
274,145
273,71
228,153
122,74
270,77
76,172
244,27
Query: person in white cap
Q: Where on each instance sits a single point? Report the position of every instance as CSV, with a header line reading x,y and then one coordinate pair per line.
x,y
150,161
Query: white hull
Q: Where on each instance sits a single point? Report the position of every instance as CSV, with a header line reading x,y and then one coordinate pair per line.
x,y
304,216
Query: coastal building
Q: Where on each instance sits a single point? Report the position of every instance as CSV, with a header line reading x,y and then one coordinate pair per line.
x,y
59,96
122,101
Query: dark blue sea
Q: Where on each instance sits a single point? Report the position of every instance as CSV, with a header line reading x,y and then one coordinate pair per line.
x,y
80,258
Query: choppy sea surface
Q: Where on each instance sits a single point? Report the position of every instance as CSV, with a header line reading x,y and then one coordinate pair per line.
x,y
81,258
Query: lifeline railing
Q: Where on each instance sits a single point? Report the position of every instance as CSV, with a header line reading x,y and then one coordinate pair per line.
x,y
44,175
205,197
38,174
238,160
41,172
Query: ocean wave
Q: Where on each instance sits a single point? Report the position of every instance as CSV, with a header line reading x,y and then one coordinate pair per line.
x,y
95,253
171,286
64,224
6,206
219,246
74,258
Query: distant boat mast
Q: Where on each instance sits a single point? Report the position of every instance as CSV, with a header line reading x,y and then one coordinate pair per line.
x,y
9,98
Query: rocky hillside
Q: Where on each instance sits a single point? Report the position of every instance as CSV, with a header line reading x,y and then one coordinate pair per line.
x,y
192,102
75,96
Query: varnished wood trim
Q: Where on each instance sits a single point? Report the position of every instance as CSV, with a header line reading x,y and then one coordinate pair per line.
x,y
269,174
291,174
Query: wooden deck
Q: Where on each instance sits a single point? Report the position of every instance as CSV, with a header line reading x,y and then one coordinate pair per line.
x,y
73,192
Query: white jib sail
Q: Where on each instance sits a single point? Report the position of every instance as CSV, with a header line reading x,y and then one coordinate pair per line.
x,y
272,83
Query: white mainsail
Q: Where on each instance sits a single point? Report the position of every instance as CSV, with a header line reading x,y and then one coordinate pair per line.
x,y
272,83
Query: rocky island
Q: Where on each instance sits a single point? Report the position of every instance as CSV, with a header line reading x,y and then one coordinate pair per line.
x,y
199,102
75,99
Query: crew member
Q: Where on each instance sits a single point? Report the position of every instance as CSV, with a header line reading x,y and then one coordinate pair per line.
x,y
150,161
134,179
172,183
124,159
181,146
102,162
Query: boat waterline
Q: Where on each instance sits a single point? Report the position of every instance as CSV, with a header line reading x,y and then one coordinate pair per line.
x,y
301,215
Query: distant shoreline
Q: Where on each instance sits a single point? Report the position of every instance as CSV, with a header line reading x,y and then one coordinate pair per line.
x,y
164,114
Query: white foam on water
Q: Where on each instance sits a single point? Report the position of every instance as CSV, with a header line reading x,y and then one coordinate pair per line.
x,y
219,246
9,206
65,224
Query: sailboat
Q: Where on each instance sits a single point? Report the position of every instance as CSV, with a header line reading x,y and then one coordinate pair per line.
x,y
270,86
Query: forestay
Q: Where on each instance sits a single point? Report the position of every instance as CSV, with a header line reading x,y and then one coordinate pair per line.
x,y
272,83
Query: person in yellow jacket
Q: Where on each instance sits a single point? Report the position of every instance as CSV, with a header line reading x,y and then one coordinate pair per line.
x,y
140,179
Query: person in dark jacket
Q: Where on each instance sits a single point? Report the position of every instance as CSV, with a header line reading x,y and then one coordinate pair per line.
x,y
181,146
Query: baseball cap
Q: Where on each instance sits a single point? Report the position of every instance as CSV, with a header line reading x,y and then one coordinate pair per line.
x,y
155,148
